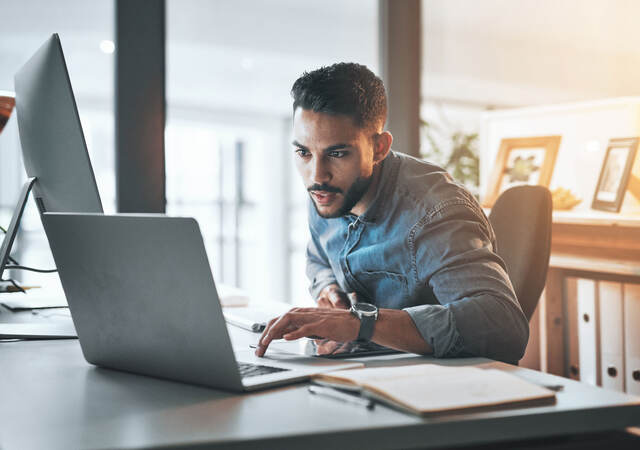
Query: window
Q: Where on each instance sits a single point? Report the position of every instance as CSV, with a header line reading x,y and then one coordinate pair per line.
x,y
230,67
82,27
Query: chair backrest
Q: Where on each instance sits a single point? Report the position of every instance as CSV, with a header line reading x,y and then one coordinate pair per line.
x,y
521,219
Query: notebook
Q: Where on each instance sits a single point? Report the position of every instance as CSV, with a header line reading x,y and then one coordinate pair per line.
x,y
430,388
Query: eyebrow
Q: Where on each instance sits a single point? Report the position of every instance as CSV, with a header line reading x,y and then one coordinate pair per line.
x,y
331,148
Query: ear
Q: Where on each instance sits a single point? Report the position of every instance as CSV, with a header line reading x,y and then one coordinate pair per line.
x,y
382,145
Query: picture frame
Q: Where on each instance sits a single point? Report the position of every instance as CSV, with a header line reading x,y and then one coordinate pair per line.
x,y
526,160
614,174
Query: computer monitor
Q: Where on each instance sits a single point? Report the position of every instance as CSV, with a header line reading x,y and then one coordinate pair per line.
x,y
53,145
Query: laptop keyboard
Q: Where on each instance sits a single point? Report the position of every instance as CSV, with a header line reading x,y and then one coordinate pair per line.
x,y
252,370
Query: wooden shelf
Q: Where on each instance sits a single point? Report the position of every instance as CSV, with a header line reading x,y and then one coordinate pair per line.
x,y
595,241
591,217
593,264
595,218
599,240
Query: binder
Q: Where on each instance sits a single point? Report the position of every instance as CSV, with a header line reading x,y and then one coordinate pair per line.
x,y
632,337
572,358
588,342
611,335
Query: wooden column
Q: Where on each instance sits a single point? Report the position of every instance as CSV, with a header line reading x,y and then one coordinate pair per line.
x,y
140,105
400,55
553,295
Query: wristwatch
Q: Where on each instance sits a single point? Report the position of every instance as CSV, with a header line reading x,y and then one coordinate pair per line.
x,y
368,314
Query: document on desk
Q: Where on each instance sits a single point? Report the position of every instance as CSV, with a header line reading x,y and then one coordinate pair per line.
x,y
231,295
632,337
38,330
430,388
49,296
255,316
25,302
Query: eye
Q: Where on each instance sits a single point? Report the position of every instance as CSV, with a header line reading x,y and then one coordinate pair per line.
x,y
302,152
338,154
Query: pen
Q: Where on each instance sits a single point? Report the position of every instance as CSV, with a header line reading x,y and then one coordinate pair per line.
x,y
342,396
553,387
11,288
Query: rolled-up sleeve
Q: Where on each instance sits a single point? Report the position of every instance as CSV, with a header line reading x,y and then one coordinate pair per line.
x,y
478,313
318,270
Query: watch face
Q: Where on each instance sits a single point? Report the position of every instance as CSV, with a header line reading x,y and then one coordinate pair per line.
x,y
365,307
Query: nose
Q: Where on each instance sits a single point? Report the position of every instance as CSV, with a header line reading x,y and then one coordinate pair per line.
x,y
320,172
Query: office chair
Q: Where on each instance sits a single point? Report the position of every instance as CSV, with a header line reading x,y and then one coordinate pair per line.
x,y
521,219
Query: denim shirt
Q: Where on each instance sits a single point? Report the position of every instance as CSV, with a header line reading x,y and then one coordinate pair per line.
x,y
424,245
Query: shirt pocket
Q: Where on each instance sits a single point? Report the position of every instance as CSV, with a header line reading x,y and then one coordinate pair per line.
x,y
384,289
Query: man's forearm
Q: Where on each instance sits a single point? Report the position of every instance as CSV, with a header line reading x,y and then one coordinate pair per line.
x,y
395,328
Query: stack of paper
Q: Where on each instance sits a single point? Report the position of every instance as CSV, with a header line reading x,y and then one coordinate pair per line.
x,y
231,296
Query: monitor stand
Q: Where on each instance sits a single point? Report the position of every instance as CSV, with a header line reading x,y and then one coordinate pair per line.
x,y
38,330
10,236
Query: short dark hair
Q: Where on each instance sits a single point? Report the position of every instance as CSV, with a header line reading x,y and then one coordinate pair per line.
x,y
344,88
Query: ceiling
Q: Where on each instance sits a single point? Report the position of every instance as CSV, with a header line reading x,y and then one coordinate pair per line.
x,y
243,55
239,55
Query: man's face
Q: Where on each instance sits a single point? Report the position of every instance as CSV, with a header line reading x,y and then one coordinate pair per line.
x,y
334,158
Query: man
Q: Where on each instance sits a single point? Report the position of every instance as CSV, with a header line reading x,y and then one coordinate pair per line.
x,y
414,246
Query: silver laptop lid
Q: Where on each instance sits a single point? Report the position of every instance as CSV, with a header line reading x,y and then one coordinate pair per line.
x,y
142,296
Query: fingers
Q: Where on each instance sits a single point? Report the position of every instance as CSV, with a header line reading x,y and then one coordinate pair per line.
x,y
266,328
279,326
301,332
260,349
301,322
335,296
342,304
339,300
327,347
273,331
323,302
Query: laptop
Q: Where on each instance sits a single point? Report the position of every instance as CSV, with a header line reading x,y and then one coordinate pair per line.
x,y
143,300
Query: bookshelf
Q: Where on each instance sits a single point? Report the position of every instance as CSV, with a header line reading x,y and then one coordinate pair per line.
x,y
592,292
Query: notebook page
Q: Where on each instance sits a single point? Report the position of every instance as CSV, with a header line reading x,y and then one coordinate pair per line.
x,y
433,388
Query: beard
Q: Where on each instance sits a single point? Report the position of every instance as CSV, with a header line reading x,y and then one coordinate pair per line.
x,y
353,195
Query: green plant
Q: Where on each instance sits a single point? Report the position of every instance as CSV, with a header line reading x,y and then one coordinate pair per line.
x,y
460,157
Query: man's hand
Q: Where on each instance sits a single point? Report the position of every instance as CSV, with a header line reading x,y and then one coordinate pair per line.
x,y
333,297
334,324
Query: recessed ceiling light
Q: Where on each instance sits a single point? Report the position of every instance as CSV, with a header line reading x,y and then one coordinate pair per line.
x,y
107,46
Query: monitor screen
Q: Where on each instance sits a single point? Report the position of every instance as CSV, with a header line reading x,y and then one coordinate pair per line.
x,y
53,145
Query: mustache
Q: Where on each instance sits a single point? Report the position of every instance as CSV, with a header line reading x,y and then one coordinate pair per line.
x,y
324,187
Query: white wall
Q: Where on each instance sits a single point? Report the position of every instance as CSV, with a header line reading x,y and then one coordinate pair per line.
x,y
530,52
585,129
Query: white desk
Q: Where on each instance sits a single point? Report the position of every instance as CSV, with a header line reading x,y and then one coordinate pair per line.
x,y
51,398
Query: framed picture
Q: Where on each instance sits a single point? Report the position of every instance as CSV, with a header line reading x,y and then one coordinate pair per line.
x,y
522,161
614,174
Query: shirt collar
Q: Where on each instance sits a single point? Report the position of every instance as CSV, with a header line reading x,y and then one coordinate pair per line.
x,y
388,174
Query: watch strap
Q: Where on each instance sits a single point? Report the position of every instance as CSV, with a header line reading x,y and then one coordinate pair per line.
x,y
367,324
